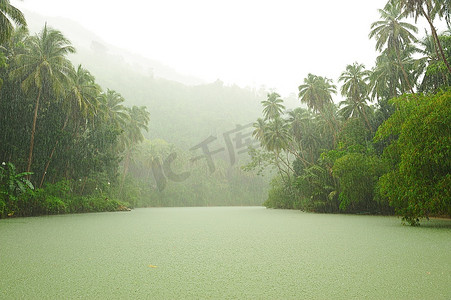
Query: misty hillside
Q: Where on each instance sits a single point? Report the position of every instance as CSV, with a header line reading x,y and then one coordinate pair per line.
x,y
183,111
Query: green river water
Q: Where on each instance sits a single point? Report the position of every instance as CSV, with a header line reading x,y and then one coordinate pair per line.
x,y
223,253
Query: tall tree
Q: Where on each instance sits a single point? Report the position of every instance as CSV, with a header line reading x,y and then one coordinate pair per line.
x,y
80,101
429,9
9,13
355,89
272,106
132,135
317,92
391,33
111,108
44,66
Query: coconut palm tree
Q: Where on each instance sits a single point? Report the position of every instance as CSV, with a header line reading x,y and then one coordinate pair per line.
x,y
44,68
392,34
137,122
355,89
81,101
112,109
9,13
272,106
259,131
277,135
387,80
297,120
316,92
429,9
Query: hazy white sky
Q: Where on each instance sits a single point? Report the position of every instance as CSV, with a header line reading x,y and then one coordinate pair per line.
x,y
247,42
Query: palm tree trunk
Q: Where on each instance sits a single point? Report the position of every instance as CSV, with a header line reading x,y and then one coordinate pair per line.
x,y
404,73
366,120
434,34
33,131
51,153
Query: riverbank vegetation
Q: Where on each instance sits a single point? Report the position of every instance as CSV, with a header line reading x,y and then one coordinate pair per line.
x,y
386,147
60,127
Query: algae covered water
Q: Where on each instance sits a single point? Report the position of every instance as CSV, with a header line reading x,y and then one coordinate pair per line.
x,y
223,253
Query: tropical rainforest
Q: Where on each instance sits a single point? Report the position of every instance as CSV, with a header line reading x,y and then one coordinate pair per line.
x,y
74,140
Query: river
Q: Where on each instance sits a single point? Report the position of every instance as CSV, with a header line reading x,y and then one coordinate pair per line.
x,y
223,253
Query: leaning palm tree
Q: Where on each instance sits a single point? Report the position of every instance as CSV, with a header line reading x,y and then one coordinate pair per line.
x,y
355,89
272,106
392,34
44,68
9,13
429,9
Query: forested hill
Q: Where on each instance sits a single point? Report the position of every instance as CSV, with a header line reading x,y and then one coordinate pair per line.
x,y
184,111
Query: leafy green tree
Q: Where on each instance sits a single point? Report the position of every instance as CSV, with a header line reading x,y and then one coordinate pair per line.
x,y
44,65
419,182
11,185
392,33
358,175
8,13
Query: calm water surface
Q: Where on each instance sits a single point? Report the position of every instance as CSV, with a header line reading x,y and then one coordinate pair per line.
x,y
223,253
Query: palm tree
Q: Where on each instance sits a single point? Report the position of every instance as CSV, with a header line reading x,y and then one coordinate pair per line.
x,y
272,106
259,131
81,100
11,48
387,80
429,9
8,13
316,92
297,119
82,97
44,66
277,138
277,135
393,34
112,109
132,135
352,108
355,89
435,75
